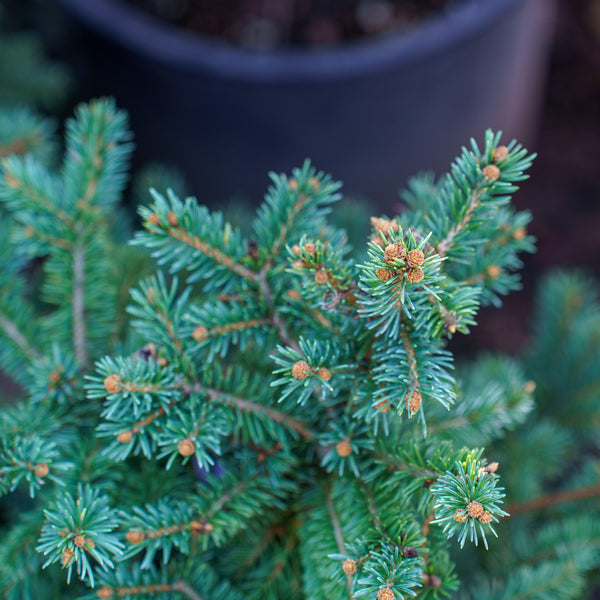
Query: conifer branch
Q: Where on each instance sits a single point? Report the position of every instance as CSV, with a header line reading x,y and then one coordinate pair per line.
x,y
475,200
412,361
184,588
286,338
79,325
16,146
554,498
13,332
255,407
339,538
221,258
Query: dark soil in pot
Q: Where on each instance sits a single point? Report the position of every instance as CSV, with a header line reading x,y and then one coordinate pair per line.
x,y
268,23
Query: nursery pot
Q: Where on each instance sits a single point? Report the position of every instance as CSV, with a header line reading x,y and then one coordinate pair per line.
x,y
371,112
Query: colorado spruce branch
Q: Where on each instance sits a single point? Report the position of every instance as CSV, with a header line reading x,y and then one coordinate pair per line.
x,y
553,499
79,327
249,405
184,588
339,538
13,332
448,241
214,253
286,338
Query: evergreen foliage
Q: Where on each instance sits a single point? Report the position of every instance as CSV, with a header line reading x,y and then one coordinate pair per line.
x,y
274,419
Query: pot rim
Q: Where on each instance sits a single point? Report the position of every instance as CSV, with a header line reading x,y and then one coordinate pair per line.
x,y
178,48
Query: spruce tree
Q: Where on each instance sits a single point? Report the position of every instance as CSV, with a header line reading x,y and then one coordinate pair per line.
x,y
271,418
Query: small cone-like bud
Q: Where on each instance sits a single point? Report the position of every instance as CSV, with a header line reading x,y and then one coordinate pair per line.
x,y
41,469
520,233
499,153
385,594
300,370
394,251
349,566
172,218
111,383
153,219
104,593
200,333
415,259
125,437
485,518
343,448
460,516
135,537
324,373
67,556
384,274
321,276
493,272
491,172
414,402
475,509
186,447
415,275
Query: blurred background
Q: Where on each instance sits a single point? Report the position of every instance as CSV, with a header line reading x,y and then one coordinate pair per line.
x,y
372,91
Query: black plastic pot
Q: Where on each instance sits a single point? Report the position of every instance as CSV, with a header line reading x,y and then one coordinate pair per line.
x,y
371,112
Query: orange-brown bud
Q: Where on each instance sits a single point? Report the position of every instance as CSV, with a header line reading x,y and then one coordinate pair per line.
x,y
384,274
300,370
415,275
321,276
343,448
485,518
499,153
135,537
394,251
324,373
415,259
491,172
414,402
385,594
125,437
475,509
200,333
67,556
349,566
520,233
493,272
112,383
186,447
41,469
153,219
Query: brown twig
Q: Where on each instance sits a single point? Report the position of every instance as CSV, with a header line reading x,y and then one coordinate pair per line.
x,y
249,405
339,538
552,499
448,241
184,588
13,332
